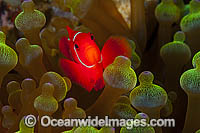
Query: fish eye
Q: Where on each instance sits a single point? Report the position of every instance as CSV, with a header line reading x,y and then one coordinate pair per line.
x,y
92,37
76,46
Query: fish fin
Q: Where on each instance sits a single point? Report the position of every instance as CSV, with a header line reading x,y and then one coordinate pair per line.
x,y
113,47
64,48
99,84
70,32
77,74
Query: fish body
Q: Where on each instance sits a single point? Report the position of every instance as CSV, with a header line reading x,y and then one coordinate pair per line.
x,y
84,63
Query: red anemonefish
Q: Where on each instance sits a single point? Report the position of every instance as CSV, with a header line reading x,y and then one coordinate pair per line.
x,y
85,63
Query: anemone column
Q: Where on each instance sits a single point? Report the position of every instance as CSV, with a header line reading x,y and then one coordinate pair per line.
x,y
138,23
191,26
189,82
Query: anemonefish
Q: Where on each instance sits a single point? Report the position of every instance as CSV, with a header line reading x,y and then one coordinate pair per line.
x,y
84,63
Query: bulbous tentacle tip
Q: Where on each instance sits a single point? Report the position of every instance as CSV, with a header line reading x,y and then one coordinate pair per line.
x,y
6,109
122,60
47,89
142,116
167,12
28,84
28,6
194,6
120,75
2,38
179,36
146,77
58,83
13,86
22,44
70,103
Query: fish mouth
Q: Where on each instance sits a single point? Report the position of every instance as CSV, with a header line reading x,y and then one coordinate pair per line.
x,y
90,57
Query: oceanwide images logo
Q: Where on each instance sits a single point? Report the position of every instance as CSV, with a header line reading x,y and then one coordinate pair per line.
x,y
95,122
46,121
